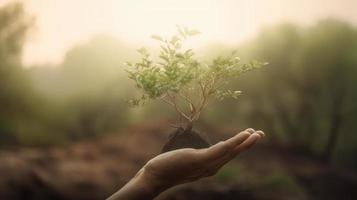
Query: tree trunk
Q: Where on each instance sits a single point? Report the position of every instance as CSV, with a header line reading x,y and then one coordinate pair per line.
x,y
334,130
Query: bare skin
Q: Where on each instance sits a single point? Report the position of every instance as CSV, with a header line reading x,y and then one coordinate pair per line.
x,y
183,166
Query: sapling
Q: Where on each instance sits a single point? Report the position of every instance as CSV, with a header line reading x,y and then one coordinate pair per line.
x,y
179,80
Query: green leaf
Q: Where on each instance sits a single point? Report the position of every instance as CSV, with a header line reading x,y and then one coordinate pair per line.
x,y
193,32
177,71
156,37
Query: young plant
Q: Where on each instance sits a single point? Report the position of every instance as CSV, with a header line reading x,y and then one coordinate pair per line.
x,y
181,81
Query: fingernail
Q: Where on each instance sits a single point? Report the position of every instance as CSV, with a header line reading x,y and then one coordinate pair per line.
x,y
250,130
261,133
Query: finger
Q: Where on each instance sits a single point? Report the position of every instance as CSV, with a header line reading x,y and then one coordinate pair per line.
x,y
249,142
250,130
261,133
221,148
237,139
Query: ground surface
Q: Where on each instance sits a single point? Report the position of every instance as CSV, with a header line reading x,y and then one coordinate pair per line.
x,y
96,168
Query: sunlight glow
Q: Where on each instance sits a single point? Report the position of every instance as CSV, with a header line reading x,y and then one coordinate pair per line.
x,y
62,24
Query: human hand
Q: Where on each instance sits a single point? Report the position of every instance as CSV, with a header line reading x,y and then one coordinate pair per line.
x,y
186,165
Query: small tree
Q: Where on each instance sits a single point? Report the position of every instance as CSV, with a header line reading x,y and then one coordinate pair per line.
x,y
181,81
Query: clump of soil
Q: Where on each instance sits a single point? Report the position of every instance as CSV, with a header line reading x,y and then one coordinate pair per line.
x,y
185,138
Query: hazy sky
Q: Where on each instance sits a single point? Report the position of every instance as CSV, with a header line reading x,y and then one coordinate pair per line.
x,y
61,24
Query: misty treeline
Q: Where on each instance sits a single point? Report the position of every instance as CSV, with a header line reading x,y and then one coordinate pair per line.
x,y
305,98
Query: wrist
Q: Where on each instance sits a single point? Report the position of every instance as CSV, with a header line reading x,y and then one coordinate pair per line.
x,y
150,184
142,187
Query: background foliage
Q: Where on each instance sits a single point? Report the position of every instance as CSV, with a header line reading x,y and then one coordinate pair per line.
x,y
305,98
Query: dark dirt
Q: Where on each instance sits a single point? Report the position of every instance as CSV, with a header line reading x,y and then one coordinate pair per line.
x,y
185,138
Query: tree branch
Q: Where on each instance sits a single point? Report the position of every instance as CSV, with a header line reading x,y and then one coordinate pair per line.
x,y
178,110
188,100
203,102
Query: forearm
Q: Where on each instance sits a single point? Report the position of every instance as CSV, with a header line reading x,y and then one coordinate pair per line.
x,y
138,188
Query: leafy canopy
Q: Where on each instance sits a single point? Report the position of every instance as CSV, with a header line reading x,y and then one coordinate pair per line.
x,y
180,80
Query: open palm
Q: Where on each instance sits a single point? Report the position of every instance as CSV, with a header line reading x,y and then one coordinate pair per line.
x,y
187,165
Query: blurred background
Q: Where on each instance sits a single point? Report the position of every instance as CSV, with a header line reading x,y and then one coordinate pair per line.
x,y
66,131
